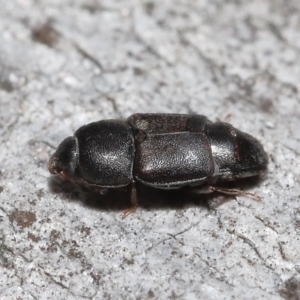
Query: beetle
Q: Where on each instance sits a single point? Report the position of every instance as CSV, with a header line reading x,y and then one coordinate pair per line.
x,y
159,150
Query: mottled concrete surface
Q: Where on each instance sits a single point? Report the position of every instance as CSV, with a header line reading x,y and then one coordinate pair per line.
x,y
67,63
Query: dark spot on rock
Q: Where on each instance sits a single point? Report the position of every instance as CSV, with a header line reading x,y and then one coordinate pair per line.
x,y
96,277
128,261
151,294
23,218
75,253
1,189
266,105
54,235
7,86
93,7
138,71
291,289
33,237
71,247
276,31
149,7
6,257
297,224
62,213
52,247
40,193
85,230
45,34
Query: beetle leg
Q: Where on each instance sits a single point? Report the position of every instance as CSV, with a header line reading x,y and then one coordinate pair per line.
x,y
134,202
236,192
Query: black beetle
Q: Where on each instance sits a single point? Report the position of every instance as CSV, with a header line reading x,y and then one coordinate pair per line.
x,y
159,150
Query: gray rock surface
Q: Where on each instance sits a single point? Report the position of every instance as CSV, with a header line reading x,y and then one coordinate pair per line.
x,y
67,63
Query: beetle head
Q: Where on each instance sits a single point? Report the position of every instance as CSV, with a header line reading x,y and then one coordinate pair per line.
x,y
65,159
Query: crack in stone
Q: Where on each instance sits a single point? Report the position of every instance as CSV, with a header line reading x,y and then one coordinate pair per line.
x,y
267,223
88,56
252,245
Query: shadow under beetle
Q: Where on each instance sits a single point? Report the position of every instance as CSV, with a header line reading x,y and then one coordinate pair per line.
x,y
159,150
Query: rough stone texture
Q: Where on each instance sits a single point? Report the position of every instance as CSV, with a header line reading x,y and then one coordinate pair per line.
x,y
67,63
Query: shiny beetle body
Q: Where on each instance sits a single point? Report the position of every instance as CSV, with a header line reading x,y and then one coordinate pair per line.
x,y
159,150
